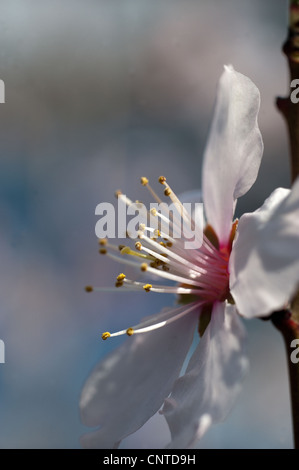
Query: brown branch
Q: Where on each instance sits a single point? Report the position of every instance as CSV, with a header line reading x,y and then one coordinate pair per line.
x,y
290,330
289,109
287,322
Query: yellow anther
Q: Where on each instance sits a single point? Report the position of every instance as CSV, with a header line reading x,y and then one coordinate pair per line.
x,y
103,241
169,244
118,193
162,179
153,211
138,246
130,331
157,233
147,287
143,267
106,335
88,288
154,264
121,277
163,244
167,192
119,284
143,181
126,250
102,251
142,227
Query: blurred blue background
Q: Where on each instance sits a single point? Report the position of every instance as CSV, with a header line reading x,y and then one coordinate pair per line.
x,y
99,93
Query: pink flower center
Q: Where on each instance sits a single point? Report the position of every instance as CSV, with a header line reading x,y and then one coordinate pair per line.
x,y
200,275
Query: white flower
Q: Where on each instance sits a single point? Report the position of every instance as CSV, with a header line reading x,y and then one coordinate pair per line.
x,y
251,270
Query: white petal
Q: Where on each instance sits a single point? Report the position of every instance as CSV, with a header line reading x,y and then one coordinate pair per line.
x,y
129,386
205,394
234,149
264,263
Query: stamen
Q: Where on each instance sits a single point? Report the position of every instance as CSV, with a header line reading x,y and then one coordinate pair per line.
x,y
123,260
147,287
144,181
174,277
109,289
127,251
157,233
162,179
171,319
165,289
156,255
172,222
118,333
200,272
179,206
106,335
162,320
175,256
125,199
104,246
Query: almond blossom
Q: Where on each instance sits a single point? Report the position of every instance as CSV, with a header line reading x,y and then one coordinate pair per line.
x,y
248,269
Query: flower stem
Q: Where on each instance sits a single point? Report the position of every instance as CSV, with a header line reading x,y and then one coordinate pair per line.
x,y
287,324
289,109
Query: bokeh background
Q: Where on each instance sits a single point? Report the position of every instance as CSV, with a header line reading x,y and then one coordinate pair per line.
x,y
99,93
